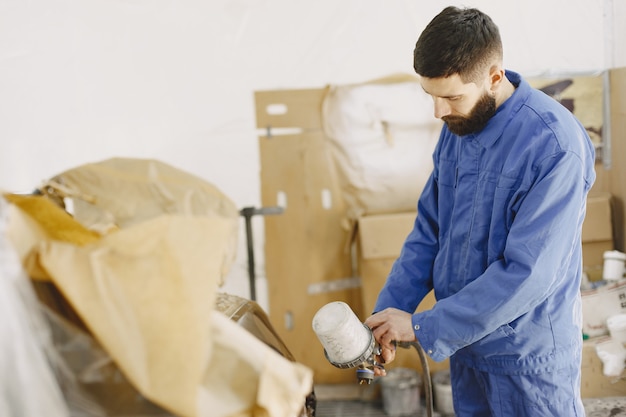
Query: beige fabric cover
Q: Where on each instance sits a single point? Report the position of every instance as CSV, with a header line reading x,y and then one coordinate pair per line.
x,y
146,284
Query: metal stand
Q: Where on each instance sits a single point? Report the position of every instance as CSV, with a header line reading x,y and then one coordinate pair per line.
x,y
247,213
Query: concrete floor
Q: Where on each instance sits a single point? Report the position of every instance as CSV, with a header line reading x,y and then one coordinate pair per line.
x,y
605,407
364,401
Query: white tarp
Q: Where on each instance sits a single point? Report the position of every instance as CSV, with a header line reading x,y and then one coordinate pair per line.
x,y
382,135
28,386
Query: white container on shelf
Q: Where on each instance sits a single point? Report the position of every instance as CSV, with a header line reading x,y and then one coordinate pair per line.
x,y
613,268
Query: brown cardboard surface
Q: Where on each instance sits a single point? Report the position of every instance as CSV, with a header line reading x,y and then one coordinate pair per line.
x,y
382,235
598,225
307,252
373,276
305,245
597,233
594,384
301,108
602,184
593,253
380,239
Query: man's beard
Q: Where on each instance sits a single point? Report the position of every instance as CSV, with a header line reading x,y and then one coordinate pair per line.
x,y
483,110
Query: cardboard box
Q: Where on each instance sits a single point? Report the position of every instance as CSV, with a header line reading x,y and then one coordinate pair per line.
x,y
594,384
379,240
597,232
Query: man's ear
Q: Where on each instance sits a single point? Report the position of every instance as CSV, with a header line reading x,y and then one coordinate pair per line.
x,y
496,76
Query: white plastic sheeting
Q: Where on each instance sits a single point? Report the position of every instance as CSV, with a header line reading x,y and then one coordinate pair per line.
x,y
28,386
382,136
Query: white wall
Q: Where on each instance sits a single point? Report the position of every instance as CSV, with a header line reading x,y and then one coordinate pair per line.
x,y
84,80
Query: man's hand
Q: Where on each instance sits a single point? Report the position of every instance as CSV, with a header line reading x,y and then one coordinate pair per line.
x,y
390,326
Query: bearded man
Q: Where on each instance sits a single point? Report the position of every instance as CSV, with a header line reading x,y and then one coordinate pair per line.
x,y
497,233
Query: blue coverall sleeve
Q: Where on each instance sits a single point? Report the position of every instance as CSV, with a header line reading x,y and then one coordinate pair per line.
x,y
538,250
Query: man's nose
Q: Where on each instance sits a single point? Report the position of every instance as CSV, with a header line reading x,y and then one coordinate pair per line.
x,y
442,108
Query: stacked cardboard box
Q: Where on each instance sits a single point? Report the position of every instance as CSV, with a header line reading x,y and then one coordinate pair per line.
x,y
597,234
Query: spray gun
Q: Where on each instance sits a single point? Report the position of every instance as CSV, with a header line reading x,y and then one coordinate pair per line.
x,y
348,343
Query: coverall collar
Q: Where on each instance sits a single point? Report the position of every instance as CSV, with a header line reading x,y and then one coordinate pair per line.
x,y
507,110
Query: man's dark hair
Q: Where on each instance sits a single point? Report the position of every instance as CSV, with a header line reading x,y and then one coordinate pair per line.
x,y
457,41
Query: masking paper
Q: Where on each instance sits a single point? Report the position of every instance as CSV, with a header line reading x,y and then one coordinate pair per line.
x,y
144,282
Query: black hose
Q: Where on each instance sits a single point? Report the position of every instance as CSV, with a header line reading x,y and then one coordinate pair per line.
x,y
428,385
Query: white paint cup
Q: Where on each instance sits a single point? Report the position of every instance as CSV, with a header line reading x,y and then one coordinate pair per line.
x,y
341,332
613,269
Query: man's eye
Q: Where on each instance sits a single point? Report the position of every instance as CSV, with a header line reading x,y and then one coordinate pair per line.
x,y
456,98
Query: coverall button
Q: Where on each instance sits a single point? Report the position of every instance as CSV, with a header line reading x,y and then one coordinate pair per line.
x,y
416,327
430,351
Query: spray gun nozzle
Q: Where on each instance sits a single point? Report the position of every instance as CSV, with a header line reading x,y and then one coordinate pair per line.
x,y
364,375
